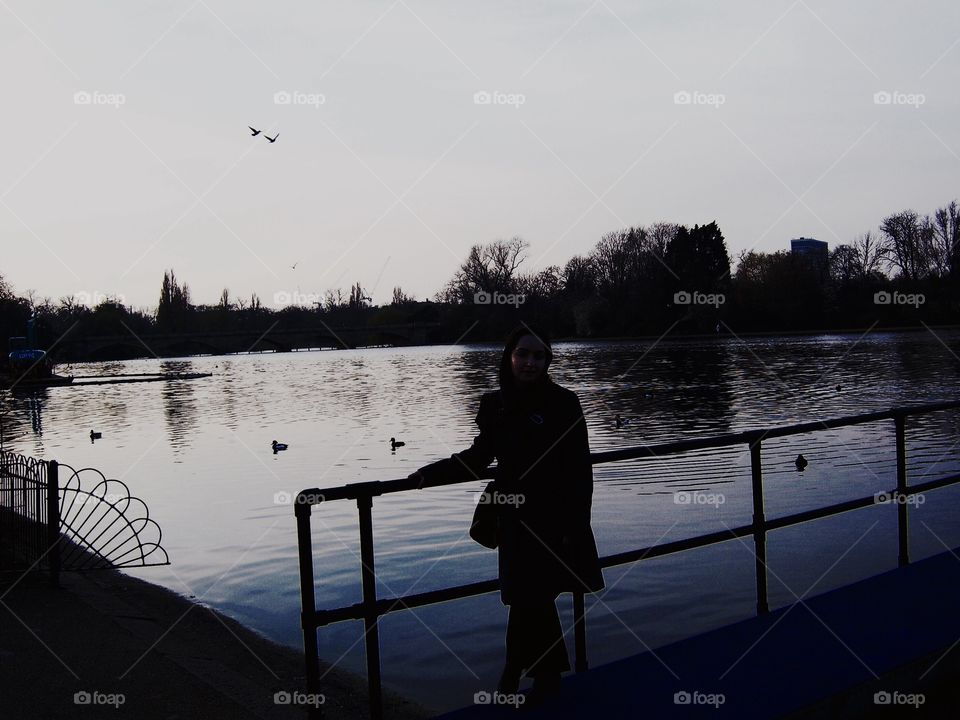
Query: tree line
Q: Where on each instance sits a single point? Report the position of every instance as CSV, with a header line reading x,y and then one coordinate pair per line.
x,y
642,280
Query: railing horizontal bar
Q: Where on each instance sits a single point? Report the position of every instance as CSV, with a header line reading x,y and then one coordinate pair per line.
x,y
372,489
932,484
675,546
819,513
408,602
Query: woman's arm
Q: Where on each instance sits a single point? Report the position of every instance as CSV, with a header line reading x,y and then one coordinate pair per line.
x,y
580,478
472,461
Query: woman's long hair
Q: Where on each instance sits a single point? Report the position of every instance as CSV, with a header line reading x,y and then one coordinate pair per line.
x,y
508,384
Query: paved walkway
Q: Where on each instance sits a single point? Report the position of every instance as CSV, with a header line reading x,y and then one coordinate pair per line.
x,y
897,633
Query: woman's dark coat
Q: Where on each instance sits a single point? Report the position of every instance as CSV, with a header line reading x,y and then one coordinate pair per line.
x,y
539,439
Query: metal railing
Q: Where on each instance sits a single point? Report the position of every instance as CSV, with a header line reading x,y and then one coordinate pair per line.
x,y
53,525
29,514
372,607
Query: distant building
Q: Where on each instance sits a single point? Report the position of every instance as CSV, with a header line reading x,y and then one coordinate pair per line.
x,y
815,250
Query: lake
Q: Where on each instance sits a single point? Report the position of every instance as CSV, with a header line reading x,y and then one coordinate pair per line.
x,y
198,453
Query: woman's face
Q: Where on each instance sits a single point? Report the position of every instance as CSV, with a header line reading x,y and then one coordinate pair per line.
x,y
528,359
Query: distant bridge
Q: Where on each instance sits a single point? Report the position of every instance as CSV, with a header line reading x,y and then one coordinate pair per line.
x,y
131,345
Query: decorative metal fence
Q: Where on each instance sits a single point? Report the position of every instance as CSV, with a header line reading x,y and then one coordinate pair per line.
x,y
55,518
372,607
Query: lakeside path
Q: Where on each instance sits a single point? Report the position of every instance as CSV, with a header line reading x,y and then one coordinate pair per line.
x,y
106,632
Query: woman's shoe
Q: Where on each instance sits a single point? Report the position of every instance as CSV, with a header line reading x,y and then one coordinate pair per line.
x,y
545,687
509,680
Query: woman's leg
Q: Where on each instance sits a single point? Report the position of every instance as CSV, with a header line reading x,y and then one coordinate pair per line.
x,y
535,639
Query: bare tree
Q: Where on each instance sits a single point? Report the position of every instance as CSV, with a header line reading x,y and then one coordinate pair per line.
x,y
845,265
945,240
333,299
488,268
905,246
870,254
400,297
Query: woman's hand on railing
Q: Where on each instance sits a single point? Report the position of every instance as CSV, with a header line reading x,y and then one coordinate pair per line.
x,y
418,476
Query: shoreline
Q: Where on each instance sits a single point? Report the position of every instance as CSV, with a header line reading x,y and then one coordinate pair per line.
x,y
111,635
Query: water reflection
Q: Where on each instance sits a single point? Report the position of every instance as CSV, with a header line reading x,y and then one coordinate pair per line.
x,y
179,406
337,410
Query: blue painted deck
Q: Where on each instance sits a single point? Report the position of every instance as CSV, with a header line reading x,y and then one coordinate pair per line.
x,y
800,656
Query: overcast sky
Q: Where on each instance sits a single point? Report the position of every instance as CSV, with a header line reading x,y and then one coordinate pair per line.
x,y
126,149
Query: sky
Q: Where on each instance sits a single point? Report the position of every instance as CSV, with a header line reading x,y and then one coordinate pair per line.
x,y
411,130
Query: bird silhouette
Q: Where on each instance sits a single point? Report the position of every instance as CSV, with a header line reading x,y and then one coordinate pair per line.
x,y
95,435
294,266
254,132
272,139
277,447
801,462
394,444
618,420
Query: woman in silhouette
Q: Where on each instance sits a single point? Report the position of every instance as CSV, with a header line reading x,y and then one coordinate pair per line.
x,y
537,432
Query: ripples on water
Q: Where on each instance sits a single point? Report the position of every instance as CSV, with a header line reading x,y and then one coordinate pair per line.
x,y
199,453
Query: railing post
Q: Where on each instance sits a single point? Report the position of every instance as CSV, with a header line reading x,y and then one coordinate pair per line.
x,y
759,528
579,634
53,521
904,531
369,582
308,604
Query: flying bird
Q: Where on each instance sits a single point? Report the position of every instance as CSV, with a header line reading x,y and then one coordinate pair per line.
x,y
272,139
294,266
254,132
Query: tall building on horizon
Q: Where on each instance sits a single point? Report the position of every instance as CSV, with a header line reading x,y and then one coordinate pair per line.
x,y
815,252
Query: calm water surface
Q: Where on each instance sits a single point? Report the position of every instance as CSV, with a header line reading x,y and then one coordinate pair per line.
x,y
199,454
